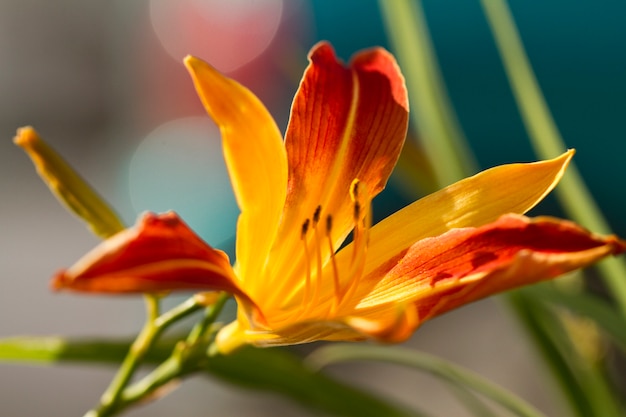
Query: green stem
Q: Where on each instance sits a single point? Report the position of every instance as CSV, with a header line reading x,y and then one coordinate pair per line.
x,y
137,350
152,329
166,373
211,313
431,112
187,357
545,138
182,310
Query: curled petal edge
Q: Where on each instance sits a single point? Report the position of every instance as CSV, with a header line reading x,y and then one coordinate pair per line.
x,y
159,254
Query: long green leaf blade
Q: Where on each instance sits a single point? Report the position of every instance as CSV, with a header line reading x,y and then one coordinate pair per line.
x,y
274,370
583,382
426,363
585,305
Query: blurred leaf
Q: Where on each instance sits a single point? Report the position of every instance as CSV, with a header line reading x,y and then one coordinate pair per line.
x,y
52,349
585,305
423,362
532,320
274,370
584,385
280,371
431,114
413,171
470,400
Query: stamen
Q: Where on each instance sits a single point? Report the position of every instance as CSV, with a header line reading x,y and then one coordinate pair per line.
x,y
338,296
311,289
316,215
355,193
354,189
307,260
305,228
360,236
357,211
318,252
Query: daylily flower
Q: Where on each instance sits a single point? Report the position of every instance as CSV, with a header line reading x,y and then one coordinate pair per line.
x,y
301,198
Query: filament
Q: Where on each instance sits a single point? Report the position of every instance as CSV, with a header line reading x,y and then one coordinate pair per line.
x,y
338,297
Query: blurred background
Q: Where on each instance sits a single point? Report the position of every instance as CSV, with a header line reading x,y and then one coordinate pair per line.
x,y
103,82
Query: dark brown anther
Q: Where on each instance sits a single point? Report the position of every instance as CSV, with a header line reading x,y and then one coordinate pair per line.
x,y
357,211
305,228
316,215
329,223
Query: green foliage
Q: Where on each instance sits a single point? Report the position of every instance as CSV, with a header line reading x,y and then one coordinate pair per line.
x,y
446,371
272,370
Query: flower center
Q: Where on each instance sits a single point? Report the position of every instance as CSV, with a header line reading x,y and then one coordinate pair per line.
x,y
316,235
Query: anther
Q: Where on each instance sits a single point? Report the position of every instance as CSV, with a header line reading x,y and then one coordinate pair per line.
x,y
354,189
316,215
307,260
329,223
357,211
305,228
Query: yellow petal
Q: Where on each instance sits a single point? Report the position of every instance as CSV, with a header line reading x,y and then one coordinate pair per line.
x,y
68,186
471,202
255,157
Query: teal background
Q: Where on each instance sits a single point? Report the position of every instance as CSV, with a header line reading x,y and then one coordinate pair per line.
x,y
577,50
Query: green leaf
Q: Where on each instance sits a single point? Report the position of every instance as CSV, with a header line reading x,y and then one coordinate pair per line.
x,y
470,400
586,305
426,363
52,349
431,114
583,383
538,325
274,370
280,371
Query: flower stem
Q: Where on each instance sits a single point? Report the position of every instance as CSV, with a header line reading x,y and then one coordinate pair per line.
x,y
152,329
187,357
137,350
210,315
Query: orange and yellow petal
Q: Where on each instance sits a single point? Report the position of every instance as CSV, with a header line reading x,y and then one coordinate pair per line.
x,y
436,275
471,202
236,334
463,265
396,325
160,253
346,122
393,323
255,157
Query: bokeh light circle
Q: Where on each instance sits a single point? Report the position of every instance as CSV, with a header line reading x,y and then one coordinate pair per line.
x,y
179,166
228,34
